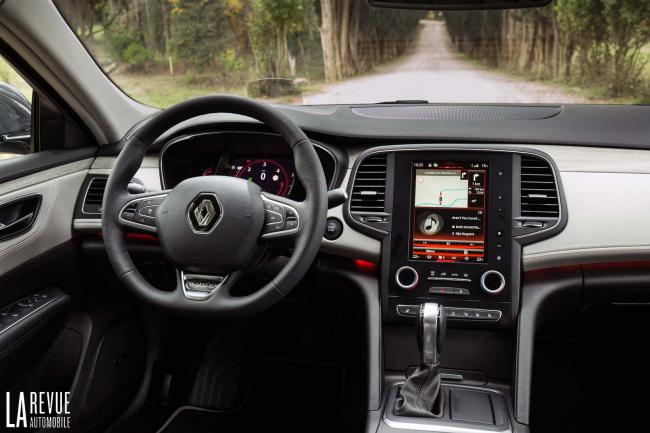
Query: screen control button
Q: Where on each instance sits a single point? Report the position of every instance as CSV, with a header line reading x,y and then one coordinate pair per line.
x,y
493,282
406,277
408,310
473,314
460,291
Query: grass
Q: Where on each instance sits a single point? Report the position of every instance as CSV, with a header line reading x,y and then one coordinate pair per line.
x,y
163,90
8,75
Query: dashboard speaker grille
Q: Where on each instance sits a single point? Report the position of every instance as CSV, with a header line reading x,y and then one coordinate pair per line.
x,y
539,194
458,112
95,195
369,189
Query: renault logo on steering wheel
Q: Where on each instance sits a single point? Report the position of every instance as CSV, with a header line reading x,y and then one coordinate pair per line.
x,y
204,213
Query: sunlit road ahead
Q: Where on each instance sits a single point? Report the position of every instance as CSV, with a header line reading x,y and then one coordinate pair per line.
x,y
433,71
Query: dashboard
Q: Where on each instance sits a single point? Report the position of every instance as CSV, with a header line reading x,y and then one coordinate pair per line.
x,y
405,225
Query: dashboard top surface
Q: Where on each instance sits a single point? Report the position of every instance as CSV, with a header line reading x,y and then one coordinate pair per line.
x,y
618,126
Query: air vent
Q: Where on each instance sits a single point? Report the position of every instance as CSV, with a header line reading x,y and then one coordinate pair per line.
x,y
369,190
94,196
539,194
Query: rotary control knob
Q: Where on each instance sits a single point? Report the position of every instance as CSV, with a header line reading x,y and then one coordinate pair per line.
x,y
493,282
406,277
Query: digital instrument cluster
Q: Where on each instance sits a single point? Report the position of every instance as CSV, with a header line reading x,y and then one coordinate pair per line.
x,y
273,175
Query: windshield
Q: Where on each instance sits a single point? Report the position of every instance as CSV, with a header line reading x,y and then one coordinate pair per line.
x,y
161,52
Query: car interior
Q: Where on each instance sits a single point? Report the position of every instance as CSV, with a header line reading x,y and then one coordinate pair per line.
x,y
227,264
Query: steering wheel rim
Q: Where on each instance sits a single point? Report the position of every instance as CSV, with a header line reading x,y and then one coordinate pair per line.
x,y
311,213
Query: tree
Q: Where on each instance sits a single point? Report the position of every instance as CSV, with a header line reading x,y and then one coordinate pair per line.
x,y
356,37
197,35
272,22
592,42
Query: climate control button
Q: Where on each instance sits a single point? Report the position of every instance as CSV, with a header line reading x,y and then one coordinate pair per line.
x,y
493,282
406,277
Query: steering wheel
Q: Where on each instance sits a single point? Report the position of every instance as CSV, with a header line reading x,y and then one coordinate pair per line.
x,y
210,228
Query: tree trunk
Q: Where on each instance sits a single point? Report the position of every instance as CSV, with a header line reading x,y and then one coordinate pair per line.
x,y
344,41
327,39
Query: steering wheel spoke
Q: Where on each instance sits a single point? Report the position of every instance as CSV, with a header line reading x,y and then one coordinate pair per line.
x,y
139,211
283,217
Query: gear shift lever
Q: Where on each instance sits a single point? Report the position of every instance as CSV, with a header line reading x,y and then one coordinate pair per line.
x,y
432,326
420,395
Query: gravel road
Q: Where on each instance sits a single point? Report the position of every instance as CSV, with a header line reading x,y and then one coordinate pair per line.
x,y
434,72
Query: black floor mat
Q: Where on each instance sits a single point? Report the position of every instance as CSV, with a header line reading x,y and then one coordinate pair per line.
x,y
287,396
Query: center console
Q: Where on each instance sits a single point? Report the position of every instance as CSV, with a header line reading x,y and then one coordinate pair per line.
x,y
452,221
451,237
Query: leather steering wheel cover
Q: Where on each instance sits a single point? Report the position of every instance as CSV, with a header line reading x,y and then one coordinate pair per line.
x,y
313,209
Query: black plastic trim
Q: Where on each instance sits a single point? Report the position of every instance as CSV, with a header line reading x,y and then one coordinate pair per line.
x,y
542,293
368,287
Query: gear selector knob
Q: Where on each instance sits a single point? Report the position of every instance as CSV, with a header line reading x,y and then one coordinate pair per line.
x,y
432,327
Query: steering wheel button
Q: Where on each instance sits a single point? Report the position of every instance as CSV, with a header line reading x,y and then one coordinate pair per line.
x,y
128,215
272,217
273,227
148,211
155,201
291,224
148,221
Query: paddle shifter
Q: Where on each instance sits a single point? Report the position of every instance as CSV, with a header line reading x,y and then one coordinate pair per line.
x,y
421,395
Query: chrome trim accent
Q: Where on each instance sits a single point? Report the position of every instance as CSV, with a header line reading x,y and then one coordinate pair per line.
x,y
86,224
282,232
501,286
406,148
407,286
221,212
188,136
134,224
451,376
430,316
196,295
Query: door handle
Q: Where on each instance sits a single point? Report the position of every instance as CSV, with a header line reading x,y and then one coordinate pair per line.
x,y
16,225
18,216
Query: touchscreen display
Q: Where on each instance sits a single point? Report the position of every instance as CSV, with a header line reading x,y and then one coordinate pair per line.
x,y
448,211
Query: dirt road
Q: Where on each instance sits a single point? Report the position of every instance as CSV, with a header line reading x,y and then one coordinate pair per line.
x,y
433,71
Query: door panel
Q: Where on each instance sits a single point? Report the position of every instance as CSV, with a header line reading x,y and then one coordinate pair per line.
x,y
58,188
